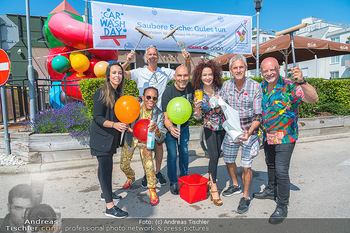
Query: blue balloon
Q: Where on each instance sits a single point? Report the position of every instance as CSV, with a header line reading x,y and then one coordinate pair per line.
x,y
111,61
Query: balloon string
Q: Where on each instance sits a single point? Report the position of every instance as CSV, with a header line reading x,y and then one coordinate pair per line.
x,y
67,52
121,138
178,139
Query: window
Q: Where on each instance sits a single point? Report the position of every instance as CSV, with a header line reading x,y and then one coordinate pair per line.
x,y
334,74
305,72
335,59
169,65
336,39
264,39
165,65
174,66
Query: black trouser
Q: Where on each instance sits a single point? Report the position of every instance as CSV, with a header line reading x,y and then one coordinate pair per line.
x,y
277,158
214,140
104,173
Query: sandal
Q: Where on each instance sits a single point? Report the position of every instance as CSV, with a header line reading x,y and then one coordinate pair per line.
x,y
217,202
128,183
209,186
154,199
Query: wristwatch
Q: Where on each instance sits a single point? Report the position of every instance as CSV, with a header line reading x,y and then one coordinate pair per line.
x,y
303,82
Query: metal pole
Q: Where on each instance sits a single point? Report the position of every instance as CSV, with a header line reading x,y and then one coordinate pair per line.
x,y
4,114
257,46
293,52
286,64
86,20
86,12
316,66
30,66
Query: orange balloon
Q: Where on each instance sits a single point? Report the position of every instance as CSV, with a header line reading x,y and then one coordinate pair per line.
x,y
127,109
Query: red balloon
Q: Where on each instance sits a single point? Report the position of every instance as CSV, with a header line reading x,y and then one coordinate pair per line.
x,y
93,62
140,129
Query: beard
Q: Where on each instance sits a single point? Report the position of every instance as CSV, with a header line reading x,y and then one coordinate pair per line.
x,y
270,78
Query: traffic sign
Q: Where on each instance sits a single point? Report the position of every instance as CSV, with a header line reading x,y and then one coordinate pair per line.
x,y
8,33
4,67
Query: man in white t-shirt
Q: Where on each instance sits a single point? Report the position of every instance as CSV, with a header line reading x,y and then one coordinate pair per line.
x,y
157,77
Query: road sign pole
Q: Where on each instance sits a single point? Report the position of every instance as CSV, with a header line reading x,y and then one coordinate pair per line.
x,y
4,117
30,66
4,75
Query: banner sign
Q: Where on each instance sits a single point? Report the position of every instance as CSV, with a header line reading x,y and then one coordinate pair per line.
x,y
114,28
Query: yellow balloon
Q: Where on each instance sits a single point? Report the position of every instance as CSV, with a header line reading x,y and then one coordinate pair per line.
x,y
80,63
71,56
100,69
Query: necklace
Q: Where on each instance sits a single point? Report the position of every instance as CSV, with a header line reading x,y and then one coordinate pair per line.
x,y
209,93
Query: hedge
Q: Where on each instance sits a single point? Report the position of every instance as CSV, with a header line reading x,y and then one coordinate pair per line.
x,y
334,95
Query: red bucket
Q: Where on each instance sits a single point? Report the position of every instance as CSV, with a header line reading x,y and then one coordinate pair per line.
x,y
193,188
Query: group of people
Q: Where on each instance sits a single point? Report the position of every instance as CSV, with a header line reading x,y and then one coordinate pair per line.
x,y
273,105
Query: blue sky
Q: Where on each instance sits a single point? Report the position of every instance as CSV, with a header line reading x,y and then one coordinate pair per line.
x,y
276,15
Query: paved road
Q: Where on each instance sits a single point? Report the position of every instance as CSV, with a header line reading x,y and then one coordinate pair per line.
x,y
320,186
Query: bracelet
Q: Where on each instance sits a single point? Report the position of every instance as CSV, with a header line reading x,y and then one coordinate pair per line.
x,y
303,82
113,124
170,127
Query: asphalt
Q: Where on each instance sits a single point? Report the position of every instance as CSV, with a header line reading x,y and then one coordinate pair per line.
x,y
45,167
320,187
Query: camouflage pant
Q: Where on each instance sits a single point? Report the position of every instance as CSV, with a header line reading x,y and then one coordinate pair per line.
x,y
147,162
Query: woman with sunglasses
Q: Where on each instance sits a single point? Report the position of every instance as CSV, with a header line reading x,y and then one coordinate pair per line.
x,y
206,77
105,135
150,111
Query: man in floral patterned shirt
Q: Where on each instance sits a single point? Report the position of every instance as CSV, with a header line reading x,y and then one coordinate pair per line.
x,y
281,98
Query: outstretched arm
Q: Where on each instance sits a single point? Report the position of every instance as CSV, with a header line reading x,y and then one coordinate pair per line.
x,y
187,57
125,65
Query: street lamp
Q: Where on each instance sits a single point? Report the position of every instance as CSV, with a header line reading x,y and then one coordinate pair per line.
x,y
257,4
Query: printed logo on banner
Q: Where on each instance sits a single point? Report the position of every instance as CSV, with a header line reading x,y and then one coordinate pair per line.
x,y
113,26
194,47
241,33
181,45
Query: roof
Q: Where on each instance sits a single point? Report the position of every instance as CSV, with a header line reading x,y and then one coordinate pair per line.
x,y
65,6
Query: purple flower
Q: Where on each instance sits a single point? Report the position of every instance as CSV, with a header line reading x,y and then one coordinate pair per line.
x,y
73,118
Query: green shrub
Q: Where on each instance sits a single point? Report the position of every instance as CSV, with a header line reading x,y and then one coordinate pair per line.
x,y
88,87
334,95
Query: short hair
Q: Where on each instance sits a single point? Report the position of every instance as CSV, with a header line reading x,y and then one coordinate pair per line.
x,y
238,57
148,88
20,191
146,53
197,74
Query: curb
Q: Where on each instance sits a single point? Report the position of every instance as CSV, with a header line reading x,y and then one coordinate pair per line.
x,y
73,164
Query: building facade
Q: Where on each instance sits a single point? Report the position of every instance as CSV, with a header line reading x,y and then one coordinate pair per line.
x,y
330,67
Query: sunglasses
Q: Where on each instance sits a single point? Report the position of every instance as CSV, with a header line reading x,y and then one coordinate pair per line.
x,y
148,97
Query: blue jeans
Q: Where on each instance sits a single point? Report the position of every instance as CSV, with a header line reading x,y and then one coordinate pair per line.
x,y
172,147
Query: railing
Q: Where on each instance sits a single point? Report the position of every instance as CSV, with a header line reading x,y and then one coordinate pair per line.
x,y
48,94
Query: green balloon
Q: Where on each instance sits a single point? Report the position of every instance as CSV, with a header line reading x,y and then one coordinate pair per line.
x,y
60,64
179,110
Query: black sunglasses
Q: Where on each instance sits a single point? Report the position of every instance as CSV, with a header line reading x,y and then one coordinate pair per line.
x,y
150,97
